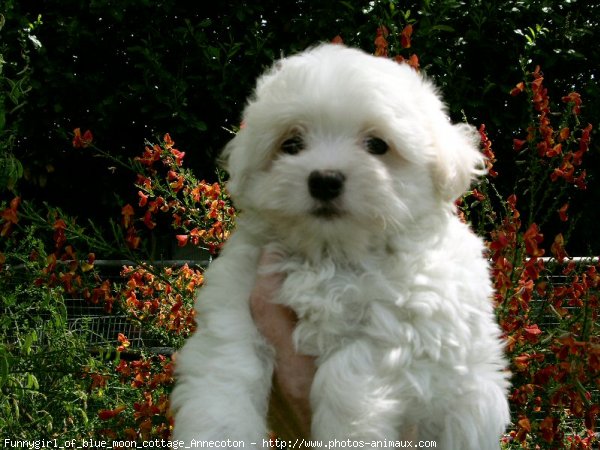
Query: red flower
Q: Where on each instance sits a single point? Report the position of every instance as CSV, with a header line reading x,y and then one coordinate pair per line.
x,y
178,156
10,216
554,151
148,220
80,141
532,332
518,144
337,40
479,196
532,238
575,99
106,414
585,138
143,199
562,212
59,232
182,240
132,239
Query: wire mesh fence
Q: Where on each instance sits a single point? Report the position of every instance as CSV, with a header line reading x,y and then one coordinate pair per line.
x,y
98,327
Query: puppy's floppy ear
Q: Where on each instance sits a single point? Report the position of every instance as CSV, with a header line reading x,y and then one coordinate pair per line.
x,y
458,160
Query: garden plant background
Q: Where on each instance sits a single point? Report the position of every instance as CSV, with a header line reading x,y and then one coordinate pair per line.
x,y
93,96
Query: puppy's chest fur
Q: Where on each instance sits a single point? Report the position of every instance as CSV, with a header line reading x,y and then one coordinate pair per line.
x,y
395,302
334,302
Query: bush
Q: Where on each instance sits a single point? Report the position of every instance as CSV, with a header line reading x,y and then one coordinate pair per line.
x,y
56,385
42,362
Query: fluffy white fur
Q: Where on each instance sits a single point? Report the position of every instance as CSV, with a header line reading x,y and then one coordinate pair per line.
x,y
392,291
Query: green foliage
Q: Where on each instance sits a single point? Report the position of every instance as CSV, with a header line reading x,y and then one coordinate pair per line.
x,y
14,87
43,393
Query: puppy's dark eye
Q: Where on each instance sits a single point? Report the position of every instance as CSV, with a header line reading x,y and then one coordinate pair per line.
x,y
376,146
292,145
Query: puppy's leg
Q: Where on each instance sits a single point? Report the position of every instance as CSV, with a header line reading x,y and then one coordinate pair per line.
x,y
224,370
476,419
349,399
222,391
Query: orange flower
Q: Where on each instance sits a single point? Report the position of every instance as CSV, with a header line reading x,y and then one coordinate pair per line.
x,y
127,213
524,428
150,156
412,61
558,248
381,43
575,99
124,342
178,156
80,141
564,134
520,87
405,36
488,152
554,151
521,362
88,265
547,429
169,143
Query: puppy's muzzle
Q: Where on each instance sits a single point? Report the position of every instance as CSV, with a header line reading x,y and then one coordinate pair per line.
x,y
326,185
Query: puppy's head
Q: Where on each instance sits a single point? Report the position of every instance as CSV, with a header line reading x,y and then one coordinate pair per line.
x,y
343,141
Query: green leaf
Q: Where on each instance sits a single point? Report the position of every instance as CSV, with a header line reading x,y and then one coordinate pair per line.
x,y
29,340
201,125
443,28
32,382
4,366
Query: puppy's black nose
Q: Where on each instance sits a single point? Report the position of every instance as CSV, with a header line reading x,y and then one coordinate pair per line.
x,y
326,184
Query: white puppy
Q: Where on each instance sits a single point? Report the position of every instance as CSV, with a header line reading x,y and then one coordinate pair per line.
x,y
348,165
